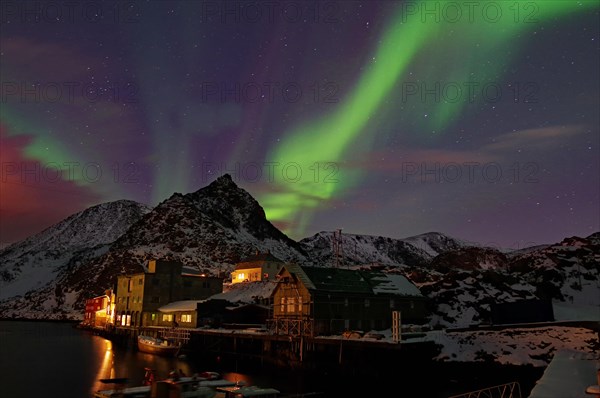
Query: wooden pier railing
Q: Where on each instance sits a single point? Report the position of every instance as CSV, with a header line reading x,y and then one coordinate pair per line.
x,y
508,390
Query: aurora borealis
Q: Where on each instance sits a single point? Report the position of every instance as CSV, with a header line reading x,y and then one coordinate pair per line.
x,y
477,119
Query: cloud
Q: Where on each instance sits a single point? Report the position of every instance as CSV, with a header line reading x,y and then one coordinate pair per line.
x,y
391,161
534,138
33,196
500,150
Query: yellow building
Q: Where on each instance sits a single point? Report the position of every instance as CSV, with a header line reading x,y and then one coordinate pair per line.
x,y
139,296
260,266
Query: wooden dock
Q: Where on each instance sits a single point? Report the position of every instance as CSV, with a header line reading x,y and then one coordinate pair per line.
x,y
278,349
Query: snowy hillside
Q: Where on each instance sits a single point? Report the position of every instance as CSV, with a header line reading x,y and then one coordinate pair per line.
x,y
463,283
209,230
41,258
52,273
568,271
388,252
520,346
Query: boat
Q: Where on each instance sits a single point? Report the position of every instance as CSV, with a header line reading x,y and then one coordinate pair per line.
x,y
246,392
152,345
175,387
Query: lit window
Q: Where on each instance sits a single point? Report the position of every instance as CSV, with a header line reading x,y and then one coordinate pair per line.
x,y
167,317
241,276
300,304
282,308
186,318
291,307
153,317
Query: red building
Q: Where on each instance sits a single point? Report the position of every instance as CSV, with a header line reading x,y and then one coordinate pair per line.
x,y
97,311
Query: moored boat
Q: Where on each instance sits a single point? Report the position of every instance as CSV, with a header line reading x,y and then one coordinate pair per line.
x,y
152,345
180,387
246,392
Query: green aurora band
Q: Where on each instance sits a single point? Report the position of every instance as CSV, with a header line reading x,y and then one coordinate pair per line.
x,y
448,50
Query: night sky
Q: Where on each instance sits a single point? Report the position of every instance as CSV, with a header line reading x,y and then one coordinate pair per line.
x,y
385,118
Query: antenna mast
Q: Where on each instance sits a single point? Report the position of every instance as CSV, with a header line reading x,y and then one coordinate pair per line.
x,y
337,248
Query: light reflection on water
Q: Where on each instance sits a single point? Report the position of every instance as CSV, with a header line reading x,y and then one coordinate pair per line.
x,y
107,367
47,359
119,362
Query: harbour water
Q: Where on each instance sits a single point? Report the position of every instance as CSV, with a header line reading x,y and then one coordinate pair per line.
x,y
50,359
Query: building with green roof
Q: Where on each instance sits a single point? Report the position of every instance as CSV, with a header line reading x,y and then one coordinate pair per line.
x,y
318,300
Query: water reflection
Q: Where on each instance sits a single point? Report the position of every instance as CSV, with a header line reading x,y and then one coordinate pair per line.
x,y
120,362
107,368
238,378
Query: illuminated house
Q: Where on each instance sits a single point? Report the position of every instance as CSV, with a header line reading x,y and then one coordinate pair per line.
x,y
260,266
319,300
139,296
183,314
99,311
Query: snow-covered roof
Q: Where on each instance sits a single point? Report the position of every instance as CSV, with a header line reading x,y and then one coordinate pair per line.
x,y
353,281
393,284
184,305
568,375
247,292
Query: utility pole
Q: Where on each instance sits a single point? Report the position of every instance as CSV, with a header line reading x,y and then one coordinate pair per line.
x,y
337,248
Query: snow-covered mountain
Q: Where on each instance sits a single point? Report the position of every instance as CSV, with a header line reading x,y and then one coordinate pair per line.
x,y
462,284
568,271
37,260
50,275
209,229
381,251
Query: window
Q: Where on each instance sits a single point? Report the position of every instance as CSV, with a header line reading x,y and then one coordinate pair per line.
x,y
241,276
167,318
153,317
186,318
128,320
155,299
141,281
291,306
205,285
367,303
282,307
130,285
412,305
187,283
345,302
392,303
300,304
